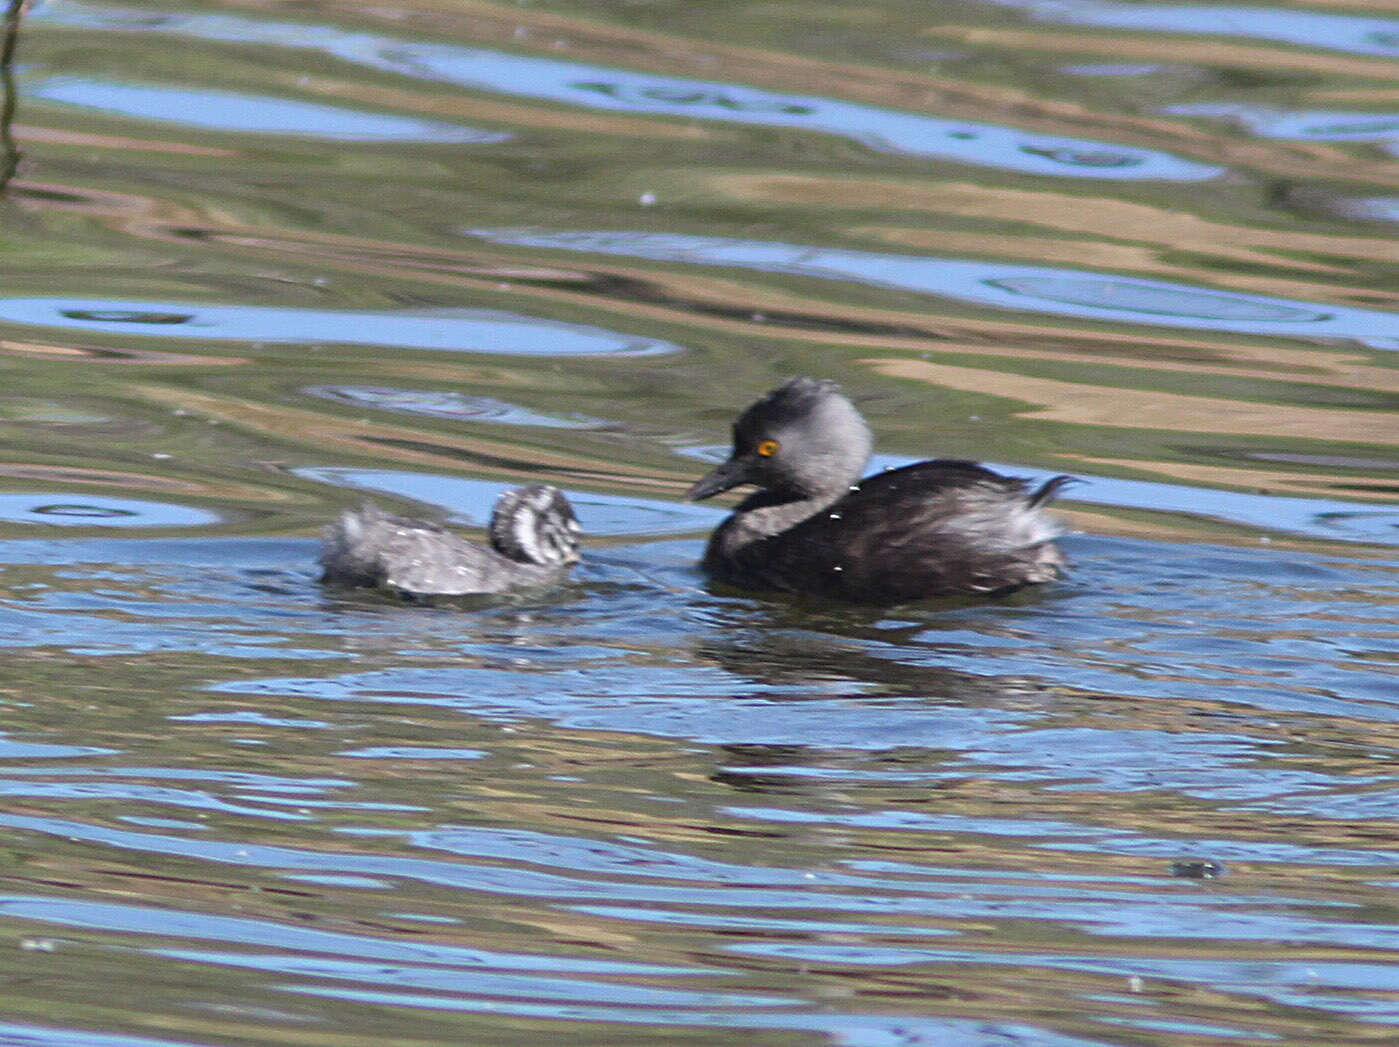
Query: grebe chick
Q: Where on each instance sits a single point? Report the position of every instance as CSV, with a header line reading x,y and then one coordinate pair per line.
x,y
533,536
935,528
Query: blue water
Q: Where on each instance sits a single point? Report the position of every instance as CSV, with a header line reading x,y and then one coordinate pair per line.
x,y
450,330
621,90
249,114
1311,29
1039,289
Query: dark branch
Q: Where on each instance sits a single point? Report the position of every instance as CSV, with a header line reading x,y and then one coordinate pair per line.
x,y
9,151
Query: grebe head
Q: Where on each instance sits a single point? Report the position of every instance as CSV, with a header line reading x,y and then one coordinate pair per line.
x,y
535,524
802,440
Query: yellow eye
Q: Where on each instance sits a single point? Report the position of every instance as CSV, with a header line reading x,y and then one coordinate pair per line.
x,y
768,448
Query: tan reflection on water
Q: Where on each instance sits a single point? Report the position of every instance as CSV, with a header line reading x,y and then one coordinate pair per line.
x,y
1104,224
120,356
332,435
582,39
90,140
131,480
507,113
1270,480
1170,47
1084,404
1094,401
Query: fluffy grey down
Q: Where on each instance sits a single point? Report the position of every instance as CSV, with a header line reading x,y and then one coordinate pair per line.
x,y
533,534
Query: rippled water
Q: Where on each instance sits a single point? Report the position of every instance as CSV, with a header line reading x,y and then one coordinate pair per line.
x,y
265,259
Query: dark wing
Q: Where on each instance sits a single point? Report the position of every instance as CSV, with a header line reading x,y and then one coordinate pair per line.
x,y
930,529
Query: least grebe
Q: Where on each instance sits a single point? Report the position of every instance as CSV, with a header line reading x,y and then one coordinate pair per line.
x,y
533,535
936,528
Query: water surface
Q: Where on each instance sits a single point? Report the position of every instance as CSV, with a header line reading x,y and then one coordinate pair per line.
x,y
264,261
